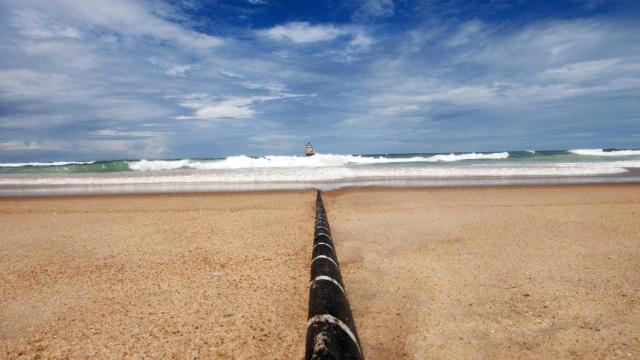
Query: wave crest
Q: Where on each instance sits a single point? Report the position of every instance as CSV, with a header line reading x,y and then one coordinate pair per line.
x,y
469,156
307,175
602,152
55,163
319,160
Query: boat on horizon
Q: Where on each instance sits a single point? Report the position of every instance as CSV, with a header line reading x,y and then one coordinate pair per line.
x,y
308,149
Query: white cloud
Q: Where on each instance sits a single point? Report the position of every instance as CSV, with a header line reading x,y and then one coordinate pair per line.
x,y
421,95
361,41
61,85
422,36
170,69
34,24
231,74
548,65
257,2
375,8
271,86
18,145
60,53
355,40
425,95
206,108
586,70
121,133
21,83
465,33
180,70
542,45
124,17
233,108
303,32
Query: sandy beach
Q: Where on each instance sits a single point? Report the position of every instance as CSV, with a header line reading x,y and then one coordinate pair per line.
x,y
514,272
170,276
494,272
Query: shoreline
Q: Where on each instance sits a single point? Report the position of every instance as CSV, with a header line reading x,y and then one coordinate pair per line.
x,y
11,191
342,190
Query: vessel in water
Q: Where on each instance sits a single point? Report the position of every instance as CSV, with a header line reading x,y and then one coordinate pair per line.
x,y
308,149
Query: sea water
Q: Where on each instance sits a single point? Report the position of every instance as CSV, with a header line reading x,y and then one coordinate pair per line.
x,y
324,171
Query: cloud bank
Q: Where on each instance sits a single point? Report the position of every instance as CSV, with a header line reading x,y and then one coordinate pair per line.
x,y
119,79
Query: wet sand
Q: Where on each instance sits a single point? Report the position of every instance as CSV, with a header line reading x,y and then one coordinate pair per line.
x,y
494,272
169,276
504,272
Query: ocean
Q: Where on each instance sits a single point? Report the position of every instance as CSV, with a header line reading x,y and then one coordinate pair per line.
x,y
322,171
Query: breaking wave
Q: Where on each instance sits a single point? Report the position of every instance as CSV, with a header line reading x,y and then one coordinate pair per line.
x,y
55,163
602,152
331,174
319,171
319,160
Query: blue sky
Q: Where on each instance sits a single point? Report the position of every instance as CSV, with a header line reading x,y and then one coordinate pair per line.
x,y
156,79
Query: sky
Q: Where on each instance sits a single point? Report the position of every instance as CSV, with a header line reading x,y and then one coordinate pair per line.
x,y
125,79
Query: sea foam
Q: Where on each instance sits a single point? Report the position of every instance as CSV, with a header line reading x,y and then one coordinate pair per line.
x,y
318,160
55,163
332,174
602,152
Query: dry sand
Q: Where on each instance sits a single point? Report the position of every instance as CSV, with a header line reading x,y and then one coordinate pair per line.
x,y
505,272
173,276
510,272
